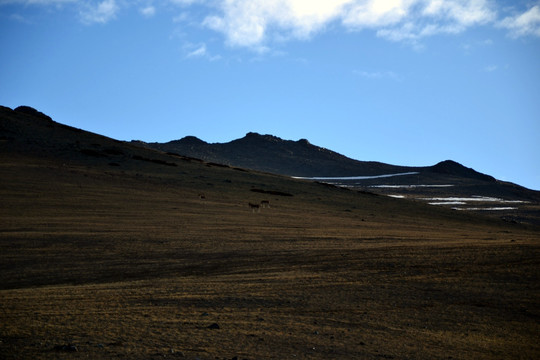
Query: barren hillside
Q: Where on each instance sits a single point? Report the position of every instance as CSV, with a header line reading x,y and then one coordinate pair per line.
x,y
109,250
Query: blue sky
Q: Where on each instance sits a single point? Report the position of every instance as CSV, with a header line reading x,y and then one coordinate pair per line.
x,y
407,82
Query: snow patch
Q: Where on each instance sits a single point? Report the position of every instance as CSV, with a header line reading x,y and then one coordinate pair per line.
x,y
447,203
502,208
474,199
409,186
353,177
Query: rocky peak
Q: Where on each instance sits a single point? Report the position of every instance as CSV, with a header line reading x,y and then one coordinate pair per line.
x,y
33,112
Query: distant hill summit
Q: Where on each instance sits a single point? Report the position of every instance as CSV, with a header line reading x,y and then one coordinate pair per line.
x,y
33,112
272,154
450,167
299,158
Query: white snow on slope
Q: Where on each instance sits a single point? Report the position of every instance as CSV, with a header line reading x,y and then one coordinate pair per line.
x,y
473,199
447,203
408,186
502,208
354,177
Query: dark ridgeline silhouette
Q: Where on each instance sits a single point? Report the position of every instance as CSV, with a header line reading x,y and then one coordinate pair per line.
x,y
298,158
271,154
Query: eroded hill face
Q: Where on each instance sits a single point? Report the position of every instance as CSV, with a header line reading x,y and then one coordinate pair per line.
x,y
111,250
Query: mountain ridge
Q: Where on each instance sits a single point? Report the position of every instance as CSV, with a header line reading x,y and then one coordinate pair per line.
x,y
297,158
301,158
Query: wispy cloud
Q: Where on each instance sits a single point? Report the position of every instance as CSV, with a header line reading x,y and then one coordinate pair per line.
x,y
460,13
20,18
148,11
472,45
182,17
101,12
199,51
390,75
527,23
491,68
186,2
375,14
37,2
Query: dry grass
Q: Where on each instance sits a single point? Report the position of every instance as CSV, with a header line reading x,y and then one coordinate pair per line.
x,y
129,262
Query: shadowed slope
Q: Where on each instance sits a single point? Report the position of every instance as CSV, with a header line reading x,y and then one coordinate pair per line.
x,y
271,154
120,251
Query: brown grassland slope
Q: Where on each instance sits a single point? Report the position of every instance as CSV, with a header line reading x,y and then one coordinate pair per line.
x,y
122,252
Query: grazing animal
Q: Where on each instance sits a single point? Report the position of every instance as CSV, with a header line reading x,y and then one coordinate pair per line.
x,y
254,207
265,204
202,197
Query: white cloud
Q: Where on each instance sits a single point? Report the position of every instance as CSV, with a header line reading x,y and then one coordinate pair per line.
x,y
239,26
524,24
491,68
460,12
257,24
307,17
376,13
247,23
253,23
412,20
148,11
101,12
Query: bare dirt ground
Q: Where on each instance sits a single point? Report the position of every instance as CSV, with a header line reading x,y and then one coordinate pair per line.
x,y
130,261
